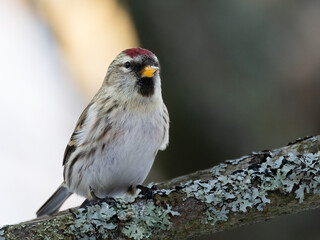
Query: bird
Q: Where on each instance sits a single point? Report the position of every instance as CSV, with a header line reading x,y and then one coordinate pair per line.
x,y
118,135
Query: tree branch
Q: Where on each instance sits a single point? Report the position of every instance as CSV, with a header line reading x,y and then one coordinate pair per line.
x,y
250,189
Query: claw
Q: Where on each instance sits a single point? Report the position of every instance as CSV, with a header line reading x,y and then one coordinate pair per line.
x,y
148,193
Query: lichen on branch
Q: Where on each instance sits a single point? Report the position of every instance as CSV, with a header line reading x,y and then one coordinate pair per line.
x,y
252,188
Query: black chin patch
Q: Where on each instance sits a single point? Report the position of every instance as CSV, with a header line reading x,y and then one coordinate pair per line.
x,y
146,86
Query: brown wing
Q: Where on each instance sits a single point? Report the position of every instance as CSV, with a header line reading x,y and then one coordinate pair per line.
x,y
71,147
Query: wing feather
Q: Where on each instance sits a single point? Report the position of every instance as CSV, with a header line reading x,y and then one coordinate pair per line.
x,y
72,145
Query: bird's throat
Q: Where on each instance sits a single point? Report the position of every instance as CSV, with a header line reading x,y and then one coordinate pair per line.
x,y
146,86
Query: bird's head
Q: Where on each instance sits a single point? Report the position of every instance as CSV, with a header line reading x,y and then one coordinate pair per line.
x,y
134,75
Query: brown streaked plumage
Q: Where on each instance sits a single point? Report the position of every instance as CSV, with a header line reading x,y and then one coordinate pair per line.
x,y
71,145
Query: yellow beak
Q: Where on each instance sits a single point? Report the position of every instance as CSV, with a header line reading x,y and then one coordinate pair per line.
x,y
148,71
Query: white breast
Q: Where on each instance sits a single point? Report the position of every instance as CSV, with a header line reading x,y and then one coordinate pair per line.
x,y
127,157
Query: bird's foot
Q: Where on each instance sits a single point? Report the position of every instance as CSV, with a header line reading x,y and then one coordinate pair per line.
x,y
96,200
109,200
147,193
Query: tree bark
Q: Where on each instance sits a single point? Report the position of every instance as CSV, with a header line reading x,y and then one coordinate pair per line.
x,y
250,189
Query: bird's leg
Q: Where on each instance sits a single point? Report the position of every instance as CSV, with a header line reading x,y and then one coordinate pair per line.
x,y
148,193
96,200
90,202
93,195
109,200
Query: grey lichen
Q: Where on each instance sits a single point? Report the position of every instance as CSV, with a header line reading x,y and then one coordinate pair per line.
x,y
97,218
249,187
217,170
137,220
149,220
49,229
2,234
236,161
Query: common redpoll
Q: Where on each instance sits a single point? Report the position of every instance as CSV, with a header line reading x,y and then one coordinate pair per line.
x,y
119,133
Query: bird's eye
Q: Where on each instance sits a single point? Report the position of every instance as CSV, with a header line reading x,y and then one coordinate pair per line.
x,y
127,65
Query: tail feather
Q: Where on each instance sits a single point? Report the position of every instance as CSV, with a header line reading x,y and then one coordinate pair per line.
x,y
53,204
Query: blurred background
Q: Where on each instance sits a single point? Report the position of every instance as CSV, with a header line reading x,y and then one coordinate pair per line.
x,y
237,77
